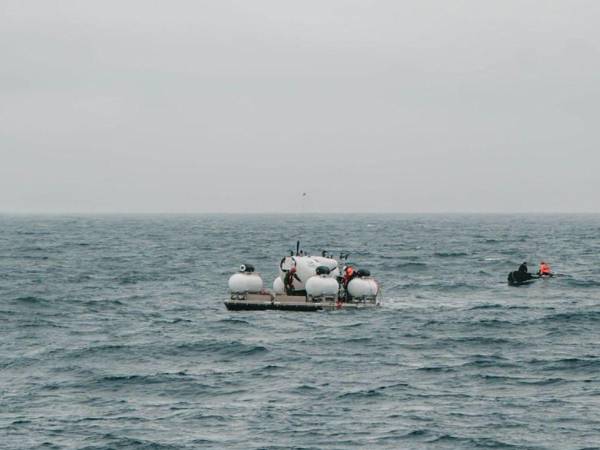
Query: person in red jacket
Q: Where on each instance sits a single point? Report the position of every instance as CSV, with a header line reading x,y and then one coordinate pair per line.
x,y
349,273
545,269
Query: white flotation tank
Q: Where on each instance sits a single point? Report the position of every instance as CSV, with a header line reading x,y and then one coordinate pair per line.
x,y
243,282
306,267
322,286
363,287
278,286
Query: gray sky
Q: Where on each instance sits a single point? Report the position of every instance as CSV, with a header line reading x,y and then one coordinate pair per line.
x,y
240,106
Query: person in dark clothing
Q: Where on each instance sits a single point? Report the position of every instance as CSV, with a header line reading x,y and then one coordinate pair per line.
x,y
523,268
520,275
288,281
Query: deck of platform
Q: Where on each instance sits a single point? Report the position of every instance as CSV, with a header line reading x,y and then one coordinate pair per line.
x,y
259,302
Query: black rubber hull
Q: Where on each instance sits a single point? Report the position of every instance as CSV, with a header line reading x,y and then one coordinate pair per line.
x,y
521,283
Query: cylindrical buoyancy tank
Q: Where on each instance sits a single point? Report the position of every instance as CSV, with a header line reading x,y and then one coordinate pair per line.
x,y
278,286
363,287
245,282
321,285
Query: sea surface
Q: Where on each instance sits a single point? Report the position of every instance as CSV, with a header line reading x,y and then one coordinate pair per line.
x,y
113,335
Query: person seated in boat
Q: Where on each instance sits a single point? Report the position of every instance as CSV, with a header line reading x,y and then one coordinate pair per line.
x,y
288,280
520,275
545,269
523,268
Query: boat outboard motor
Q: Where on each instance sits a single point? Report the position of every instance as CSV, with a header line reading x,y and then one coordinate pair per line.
x,y
323,270
247,268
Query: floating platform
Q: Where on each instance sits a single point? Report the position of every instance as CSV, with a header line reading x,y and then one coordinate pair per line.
x,y
260,302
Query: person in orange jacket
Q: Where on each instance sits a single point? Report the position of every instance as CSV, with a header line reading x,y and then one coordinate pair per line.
x,y
545,269
349,273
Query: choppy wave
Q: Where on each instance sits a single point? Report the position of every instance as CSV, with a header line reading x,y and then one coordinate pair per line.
x,y
450,254
114,336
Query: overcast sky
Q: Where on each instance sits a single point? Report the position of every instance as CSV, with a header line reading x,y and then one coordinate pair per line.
x,y
240,106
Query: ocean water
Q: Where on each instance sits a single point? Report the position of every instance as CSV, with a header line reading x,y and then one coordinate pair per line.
x,y
113,335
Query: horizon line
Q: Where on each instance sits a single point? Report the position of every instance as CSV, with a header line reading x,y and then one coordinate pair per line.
x,y
248,213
